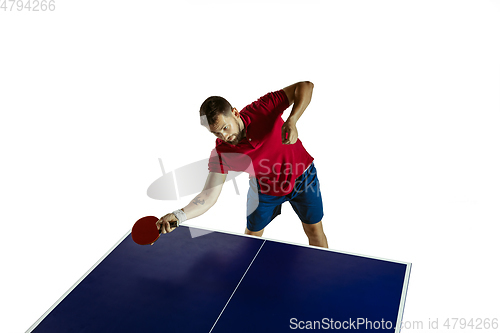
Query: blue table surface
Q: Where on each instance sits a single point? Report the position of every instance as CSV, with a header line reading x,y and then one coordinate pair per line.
x,y
183,284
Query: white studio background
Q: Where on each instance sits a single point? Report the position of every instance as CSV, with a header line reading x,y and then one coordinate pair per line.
x,y
403,126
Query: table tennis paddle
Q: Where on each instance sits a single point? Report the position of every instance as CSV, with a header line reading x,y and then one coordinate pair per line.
x,y
145,231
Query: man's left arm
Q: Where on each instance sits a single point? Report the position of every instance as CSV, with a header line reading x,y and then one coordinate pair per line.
x,y
300,95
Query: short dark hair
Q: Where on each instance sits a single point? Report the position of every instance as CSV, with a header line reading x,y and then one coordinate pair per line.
x,y
212,108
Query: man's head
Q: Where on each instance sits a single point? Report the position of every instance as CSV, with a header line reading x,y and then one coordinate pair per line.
x,y
221,119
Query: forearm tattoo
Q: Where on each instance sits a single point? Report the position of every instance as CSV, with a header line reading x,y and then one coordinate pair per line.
x,y
197,201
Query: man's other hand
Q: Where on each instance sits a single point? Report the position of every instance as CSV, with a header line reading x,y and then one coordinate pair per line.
x,y
289,134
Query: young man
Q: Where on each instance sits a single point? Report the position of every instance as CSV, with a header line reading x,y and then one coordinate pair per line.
x,y
258,141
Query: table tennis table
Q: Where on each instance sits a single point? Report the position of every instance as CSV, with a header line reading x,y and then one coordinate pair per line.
x,y
225,282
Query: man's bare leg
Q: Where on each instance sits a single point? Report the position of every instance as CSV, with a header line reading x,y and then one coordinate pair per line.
x,y
254,233
315,234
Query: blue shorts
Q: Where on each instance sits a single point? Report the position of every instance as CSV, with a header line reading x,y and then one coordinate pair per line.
x,y
305,199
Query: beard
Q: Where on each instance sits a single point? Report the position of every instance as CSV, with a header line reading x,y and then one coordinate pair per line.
x,y
237,137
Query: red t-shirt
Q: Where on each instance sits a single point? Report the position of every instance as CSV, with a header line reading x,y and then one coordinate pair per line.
x,y
261,153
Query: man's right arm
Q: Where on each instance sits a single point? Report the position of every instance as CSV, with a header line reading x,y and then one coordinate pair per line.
x,y
208,197
200,204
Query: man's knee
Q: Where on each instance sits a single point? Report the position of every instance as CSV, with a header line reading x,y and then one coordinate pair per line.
x,y
313,230
316,234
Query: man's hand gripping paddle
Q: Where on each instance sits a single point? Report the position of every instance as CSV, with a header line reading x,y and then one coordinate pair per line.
x,y
145,231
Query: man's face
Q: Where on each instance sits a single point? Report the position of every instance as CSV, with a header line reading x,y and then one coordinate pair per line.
x,y
228,128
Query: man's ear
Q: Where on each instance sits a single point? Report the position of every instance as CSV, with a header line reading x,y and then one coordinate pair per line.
x,y
235,112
